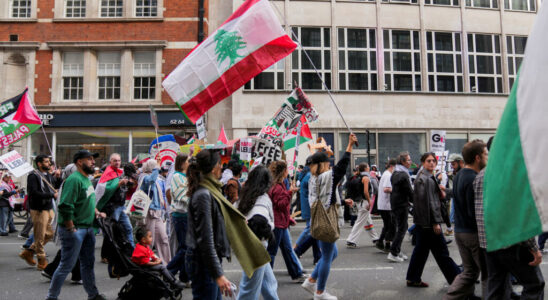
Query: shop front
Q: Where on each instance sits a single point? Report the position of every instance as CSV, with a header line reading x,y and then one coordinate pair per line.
x,y
126,133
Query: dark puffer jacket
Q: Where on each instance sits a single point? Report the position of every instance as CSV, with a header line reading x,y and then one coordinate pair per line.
x,y
402,192
426,200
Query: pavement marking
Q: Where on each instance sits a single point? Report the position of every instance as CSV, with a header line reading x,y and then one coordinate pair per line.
x,y
20,243
332,269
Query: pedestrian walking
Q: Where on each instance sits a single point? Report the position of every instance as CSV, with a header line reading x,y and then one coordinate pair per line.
x,y
360,190
281,201
256,205
154,219
428,219
457,163
383,205
466,228
400,197
323,187
76,214
6,213
42,189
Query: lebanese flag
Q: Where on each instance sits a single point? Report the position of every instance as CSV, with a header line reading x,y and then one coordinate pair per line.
x,y
222,137
247,43
516,182
290,140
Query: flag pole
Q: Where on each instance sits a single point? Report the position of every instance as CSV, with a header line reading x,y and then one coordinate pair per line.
x,y
41,124
296,153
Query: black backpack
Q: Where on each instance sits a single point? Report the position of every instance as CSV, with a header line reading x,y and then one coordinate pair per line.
x,y
355,188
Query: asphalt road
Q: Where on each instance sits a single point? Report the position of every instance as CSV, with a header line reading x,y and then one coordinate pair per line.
x,y
362,273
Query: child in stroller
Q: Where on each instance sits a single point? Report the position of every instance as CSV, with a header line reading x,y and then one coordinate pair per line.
x,y
143,256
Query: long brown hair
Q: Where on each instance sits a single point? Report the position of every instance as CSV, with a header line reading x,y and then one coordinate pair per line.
x,y
278,169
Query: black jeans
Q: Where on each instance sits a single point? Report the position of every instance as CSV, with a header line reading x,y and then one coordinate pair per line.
x,y
428,241
505,262
399,217
388,228
52,266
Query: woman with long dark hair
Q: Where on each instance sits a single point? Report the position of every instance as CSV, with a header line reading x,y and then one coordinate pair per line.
x,y
428,219
281,201
323,187
207,241
255,204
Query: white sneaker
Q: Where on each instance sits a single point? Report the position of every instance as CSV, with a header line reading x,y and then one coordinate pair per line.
x,y
402,256
309,286
324,296
393,258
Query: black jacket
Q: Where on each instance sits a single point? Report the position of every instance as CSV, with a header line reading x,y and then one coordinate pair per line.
x,y
402,192
426,200
40,194
206,233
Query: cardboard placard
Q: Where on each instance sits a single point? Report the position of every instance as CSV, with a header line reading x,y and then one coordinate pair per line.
x,y
15,163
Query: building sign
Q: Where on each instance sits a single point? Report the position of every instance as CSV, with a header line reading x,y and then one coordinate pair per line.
x,y
46,118
437,140
113,119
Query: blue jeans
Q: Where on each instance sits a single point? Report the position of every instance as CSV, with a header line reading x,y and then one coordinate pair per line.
x,y
283,241
452,212
29,241
306,241
4,219
321,271
263,282
177,263
74,245
120,216
203,286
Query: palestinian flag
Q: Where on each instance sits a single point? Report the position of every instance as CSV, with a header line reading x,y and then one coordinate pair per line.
x,y
18,119
290,139
107,186
516,181
250,41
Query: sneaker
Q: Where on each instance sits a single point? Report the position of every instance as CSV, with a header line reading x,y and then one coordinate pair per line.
x,y
23,236
77,281
351,245
25,247
3,234
300,279
99,297
375,241
447,242
14,231
449,232
421,284
402,256
544,250
393,258
309,286
324,296
380,246
45,274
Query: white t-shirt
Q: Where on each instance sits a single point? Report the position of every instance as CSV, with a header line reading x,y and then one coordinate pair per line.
x,y
384,198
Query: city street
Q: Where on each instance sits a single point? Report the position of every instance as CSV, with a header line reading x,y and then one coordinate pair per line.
x,y
362,273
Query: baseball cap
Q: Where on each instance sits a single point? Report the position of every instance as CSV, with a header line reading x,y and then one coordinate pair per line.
x,y
455,157
319,157
83,154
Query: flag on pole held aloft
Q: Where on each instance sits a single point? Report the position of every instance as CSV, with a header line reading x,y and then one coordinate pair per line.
x,y
515,186
18,119
248,42
222,137
290,138
153,117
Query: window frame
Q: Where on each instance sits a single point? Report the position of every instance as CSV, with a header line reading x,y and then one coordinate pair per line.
x,y
65,76
106,76
413,2
416,75
82,7
453,3
152,75
108,6
11,8
297,70
472,59
513,57
278,69
371,53
454,53
150,7
493,4
508,6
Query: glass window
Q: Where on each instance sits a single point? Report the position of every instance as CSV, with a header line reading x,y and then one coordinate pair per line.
x,y
73,75
455,141
481,136
141,141
108,73
20,8
357,59
526,5
75,8
484,63
112,8
39,145
391,144
515,45
146,8
270,79
144,72
316,42
482,3
103,142
401,1
444,62
442,2
402,60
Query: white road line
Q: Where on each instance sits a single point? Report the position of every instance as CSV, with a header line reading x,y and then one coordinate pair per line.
x,y
20,243
332,269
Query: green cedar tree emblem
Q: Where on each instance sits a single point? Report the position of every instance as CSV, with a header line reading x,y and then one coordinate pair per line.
x,y
228,44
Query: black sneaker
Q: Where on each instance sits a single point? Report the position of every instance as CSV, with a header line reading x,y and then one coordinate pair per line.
x,y
99,297
351,245
45,274
3,234
13,231
380,246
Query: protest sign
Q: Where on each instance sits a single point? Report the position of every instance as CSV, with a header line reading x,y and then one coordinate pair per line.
x,y
164,147
15,163
437,140
442,160
265,150
246,145
200,128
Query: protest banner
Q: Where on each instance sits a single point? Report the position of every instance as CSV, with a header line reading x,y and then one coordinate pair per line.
x,y
18,119
200,128
15,163
442,157
264,150
437,140
246,146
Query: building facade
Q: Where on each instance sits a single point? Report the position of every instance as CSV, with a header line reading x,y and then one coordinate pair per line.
x,y
93,67
396,68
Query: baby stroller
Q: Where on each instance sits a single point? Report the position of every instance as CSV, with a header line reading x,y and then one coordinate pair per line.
x,y
144,284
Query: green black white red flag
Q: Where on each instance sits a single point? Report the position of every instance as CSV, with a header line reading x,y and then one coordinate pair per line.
x,y
18,119
248,42
516,180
